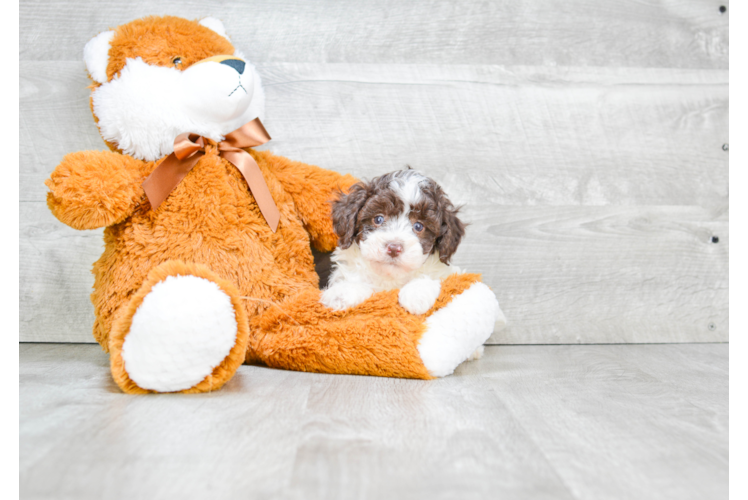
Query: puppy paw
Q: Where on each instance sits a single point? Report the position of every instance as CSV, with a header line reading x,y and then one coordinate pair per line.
x,y
419,295
343,295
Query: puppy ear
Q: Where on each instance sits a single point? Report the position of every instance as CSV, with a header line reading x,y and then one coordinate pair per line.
x,y
96,55
452,230
345,212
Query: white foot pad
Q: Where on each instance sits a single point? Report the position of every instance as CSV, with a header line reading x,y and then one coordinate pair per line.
x,y
456,331
185,327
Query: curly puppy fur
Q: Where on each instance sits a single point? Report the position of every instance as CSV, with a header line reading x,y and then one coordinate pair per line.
x,y
395,231
353,214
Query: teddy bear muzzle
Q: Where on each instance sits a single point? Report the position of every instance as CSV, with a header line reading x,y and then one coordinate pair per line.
x,y
218,88
231,61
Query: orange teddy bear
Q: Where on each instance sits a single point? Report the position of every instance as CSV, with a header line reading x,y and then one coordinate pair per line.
x,y
207,261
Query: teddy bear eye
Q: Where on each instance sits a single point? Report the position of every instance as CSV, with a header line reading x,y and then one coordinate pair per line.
x,y
418,227
177,61
379,219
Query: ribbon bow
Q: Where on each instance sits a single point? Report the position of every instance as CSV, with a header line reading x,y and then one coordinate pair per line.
x,y
189,148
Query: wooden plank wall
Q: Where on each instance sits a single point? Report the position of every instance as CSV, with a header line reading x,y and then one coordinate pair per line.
x,y
585,139
737,173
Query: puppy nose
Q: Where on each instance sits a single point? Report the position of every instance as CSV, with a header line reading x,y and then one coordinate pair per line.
x,y
394,249
236,64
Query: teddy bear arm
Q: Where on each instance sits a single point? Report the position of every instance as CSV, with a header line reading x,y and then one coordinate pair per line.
x,y
312,189
91,189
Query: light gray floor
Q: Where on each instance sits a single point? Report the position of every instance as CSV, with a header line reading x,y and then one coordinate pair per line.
x,y
560,422
739,419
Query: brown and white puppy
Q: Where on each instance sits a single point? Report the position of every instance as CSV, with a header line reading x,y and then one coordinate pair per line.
x,y
396,231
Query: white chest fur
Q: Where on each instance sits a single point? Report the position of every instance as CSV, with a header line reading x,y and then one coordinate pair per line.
x,y
352,267
354,279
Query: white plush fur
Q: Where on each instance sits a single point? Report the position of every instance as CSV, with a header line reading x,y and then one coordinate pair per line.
x,y
144,107
215,25
457,331
184,328
96,55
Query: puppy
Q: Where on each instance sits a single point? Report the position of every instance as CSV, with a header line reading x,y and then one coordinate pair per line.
x,y
396,231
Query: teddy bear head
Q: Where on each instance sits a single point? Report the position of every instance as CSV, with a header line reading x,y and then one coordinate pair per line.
x,y
158,77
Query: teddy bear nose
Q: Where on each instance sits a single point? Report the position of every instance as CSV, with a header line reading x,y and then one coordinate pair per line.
x,y
236,64
394,249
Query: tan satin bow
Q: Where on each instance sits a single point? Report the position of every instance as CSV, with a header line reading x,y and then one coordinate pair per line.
x,y
189,148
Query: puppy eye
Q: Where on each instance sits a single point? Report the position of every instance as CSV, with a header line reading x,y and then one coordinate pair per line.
x,y
378,220
418,227
177,61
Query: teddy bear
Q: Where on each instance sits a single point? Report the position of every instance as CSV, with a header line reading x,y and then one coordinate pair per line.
x,y
208,242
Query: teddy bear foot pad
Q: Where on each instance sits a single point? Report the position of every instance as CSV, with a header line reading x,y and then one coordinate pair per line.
x,y
183,329
455,332
181,333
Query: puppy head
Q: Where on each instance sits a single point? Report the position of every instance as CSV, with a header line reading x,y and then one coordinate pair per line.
x,y
398,220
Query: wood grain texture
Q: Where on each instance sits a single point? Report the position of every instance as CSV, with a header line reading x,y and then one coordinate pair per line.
x,y
584,138
555,422
56,279
603,274
562,274
589,407
736,33
738,418
737,176
737,222
593,193
55,120
519,136
523,136
737,244
664,33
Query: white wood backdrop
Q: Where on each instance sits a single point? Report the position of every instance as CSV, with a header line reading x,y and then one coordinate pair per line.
x,y
585,139
737,133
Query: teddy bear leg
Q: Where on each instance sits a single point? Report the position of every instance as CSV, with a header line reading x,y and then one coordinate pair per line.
x,y
466,314
185,330
378,336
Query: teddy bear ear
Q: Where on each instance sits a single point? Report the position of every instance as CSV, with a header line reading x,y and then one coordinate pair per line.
x,y
96,55
215,25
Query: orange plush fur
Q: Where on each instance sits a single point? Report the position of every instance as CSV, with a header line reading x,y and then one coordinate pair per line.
x,y
211,227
